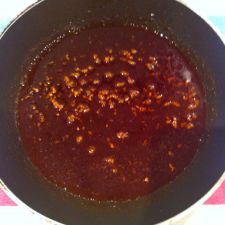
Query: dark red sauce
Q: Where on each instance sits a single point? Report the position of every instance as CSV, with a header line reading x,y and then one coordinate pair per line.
x,y
111,113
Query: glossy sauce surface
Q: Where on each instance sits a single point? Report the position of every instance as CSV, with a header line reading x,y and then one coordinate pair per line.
x,y
111,113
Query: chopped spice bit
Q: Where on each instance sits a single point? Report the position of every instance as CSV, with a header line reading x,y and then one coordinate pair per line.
x,y
65,137
171,167
111,104
96,81
90,68
120,84
126,98
69,83
124,73
90,132
109,75
185,98
76,91
130,80
114,170
110,160
36,90
176,104
56,142
91,149
111,145
173,103
147,101
167,103
82,108
103,92
51,63
56,104
112,96
71,118
158,96
51,92
108,59
109,50
145,142
125,53
89,95
194,104
151,86
140,108
150,66
34,107
187,125
133,51
122,134
172,121
41,118
82,81
85,70
134,93
191,116
121,100
75,74
146,180
170,153
64,63
131,63
96,58
79,139
67,57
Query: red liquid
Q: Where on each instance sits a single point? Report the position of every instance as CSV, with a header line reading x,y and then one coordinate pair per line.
x,y
111,113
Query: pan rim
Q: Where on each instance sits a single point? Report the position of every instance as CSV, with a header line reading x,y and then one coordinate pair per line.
x,y
182,214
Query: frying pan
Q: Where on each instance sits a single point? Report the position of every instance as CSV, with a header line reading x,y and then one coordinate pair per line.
x,y
28,33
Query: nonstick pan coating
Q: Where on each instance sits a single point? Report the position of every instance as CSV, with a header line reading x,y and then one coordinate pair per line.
x,y
24,37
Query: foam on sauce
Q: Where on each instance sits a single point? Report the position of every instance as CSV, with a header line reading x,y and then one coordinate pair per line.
x,y
111,113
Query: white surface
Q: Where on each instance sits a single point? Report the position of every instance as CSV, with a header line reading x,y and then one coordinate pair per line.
x,y
207,7
10,8
208,215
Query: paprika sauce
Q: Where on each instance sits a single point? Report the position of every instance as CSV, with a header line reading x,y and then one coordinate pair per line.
x,y
111,113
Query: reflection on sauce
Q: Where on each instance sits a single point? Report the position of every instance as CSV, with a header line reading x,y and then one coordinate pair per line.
x,y
111,113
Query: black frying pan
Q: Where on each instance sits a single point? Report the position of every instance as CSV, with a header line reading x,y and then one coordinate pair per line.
x,y
25,36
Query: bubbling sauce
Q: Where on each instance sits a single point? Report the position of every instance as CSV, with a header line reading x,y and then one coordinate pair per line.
x,y
111,113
